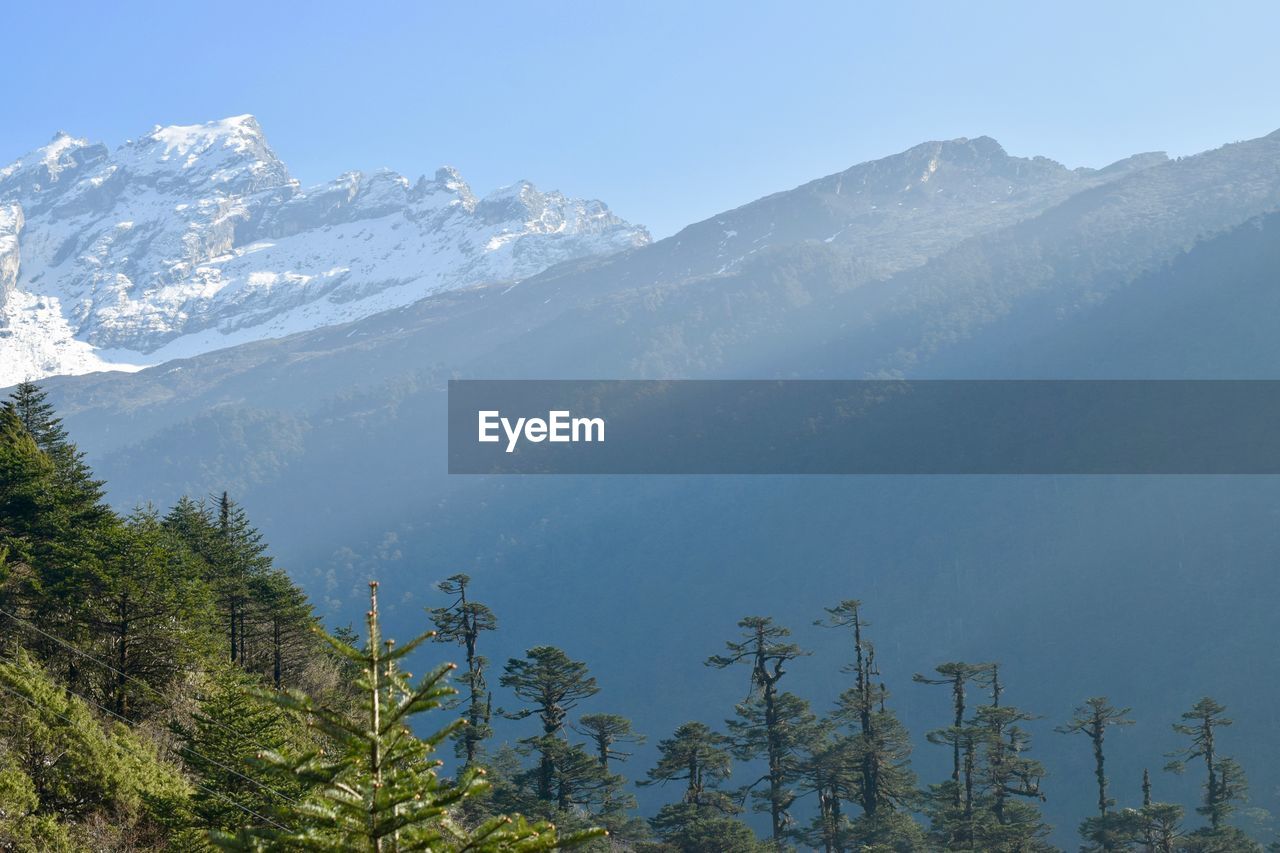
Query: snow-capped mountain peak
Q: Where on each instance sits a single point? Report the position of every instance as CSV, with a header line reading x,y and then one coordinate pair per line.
x,y
195,237
231,155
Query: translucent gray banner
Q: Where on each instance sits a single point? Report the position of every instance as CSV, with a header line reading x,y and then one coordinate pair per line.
x,y
864,427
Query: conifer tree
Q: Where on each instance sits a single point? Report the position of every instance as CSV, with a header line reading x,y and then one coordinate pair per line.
x,y
25,500
703,819
688,829
51,531
288,623
769,723
605,732
876,753
957,675
1092,719
1154,828
828,769
1161,826
881,748
379,790
1225,783
1009,782
699,757
225,734
78,768
147,608
553,685
29,403
239,557
462,622
234,559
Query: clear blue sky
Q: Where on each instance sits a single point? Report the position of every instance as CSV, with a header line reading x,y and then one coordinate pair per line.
x,y
669,112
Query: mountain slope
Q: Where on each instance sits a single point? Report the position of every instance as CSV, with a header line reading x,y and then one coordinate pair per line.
x,y
866,223
193,238
1151,590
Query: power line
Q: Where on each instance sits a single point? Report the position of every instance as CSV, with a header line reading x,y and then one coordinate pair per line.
x,y
72,647
185,749
106,710
37,705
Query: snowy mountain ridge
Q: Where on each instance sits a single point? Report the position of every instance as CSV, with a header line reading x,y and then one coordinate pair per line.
x,y
193,238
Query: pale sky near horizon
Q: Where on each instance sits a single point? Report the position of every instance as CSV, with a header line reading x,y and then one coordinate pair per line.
x,y
669,112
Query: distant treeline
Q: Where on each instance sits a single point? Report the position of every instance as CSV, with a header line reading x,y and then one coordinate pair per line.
x,y
164,686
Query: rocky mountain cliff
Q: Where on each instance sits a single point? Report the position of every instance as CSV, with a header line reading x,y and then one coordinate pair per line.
x,y
194,238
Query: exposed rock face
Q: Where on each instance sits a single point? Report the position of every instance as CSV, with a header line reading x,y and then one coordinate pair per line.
x,y
192,238
11,222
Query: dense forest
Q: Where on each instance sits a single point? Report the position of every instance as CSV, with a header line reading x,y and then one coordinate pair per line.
x,y
165,686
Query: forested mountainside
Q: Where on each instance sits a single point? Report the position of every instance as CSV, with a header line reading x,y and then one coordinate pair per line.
x,y
168,688
1154,591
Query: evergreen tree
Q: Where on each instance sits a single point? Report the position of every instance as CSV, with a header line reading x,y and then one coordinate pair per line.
x,y
578,783
703,819
1092,719
379,790
828,769
233,557
462,622
26,475
239,559
1225,784
990,803
227,732
770,724
884,787
957,675
1009,783
700,758
52,533
604,734
29,404
553,685
952,806
1155,828
104,780
148,612
23,829
1161,826
289,626
688,829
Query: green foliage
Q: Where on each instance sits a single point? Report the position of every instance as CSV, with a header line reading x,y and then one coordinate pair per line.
x,y
769,724
462,622
23,829
553,685
605,733
1093,719
700,758
990,803
164,684
148,614
103,620
1225,783
380,789
871,766
704,816
79,770
230,728
690,828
